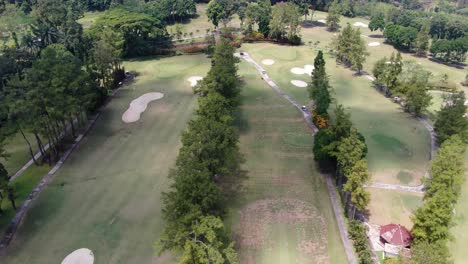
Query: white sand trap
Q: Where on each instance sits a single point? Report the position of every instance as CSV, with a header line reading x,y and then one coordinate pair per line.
x,y
79,256
306,70
322,21
138,106
194,80
298,83
373,44
297,70
359,24
268,62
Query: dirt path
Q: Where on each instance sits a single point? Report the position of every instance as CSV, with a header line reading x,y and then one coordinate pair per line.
x,y
330,186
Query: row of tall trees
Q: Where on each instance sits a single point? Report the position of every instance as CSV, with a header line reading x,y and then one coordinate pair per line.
x,y
432,221
413,30
350,48
451,119
342,147
279,22
193,208
405,79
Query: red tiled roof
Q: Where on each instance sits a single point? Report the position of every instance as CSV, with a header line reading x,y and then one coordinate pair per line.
x,y
396,235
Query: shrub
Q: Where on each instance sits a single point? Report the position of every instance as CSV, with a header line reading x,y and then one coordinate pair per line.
x,y
295,40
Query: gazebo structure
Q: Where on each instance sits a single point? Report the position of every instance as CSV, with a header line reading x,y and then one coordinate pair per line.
x,y
395,239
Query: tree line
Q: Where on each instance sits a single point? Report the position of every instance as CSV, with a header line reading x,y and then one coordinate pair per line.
x,y
407,80
433,220
443,35
339,146
259,19
53,76
193,208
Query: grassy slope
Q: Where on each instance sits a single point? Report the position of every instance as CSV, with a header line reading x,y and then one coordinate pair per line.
x,y
107,195
396,142
277,147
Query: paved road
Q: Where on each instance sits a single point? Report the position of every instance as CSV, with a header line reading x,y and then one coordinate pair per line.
x,y
330,185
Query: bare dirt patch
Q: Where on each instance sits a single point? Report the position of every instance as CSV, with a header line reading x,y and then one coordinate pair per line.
x,y
139,105
258,219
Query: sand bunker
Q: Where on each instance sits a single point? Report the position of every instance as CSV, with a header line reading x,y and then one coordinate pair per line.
x,y
194,80
299,83
322,21
138,106
359,24
306,70
373,44
268,62
79,256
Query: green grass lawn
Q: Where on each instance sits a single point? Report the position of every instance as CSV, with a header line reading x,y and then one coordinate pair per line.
x,y
89,18
397,142
282,214
106,197
321,34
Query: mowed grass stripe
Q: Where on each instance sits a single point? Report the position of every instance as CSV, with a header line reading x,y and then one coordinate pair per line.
x,y
107,195
282,214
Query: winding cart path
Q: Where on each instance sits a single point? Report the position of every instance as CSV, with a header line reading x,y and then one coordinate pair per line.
x,y
329,182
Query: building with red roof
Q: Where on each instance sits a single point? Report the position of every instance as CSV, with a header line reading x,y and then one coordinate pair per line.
x,y
395,238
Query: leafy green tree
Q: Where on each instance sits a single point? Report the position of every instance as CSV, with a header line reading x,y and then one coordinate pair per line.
x,y
319,87
357,177
434,253
106,56
377,22
417,99
222,77
141,32
400,36
322,139
349,151
434,218
220,11
334,16
422,40
450,119
350,48
205,244
447,168
259,13
284,23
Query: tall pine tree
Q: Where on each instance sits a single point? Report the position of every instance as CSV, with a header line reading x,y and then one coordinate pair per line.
x,y
319,87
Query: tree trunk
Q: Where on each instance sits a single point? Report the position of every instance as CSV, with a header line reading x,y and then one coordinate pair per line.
x,y
72,127
29,145
39,144
11,197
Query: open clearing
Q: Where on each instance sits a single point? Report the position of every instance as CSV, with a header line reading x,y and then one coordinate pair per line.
x,y
106,197
398,145
283,213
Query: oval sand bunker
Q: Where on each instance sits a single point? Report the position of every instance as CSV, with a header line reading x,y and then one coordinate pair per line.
x,y
360,24
194,80
299,83
373,44
308,69
268,62
79,256
138,106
